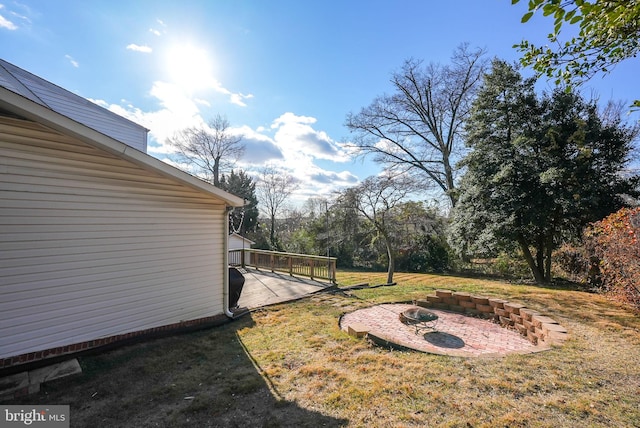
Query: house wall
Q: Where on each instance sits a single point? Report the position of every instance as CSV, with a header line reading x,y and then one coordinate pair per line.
x,y
92,246
238,243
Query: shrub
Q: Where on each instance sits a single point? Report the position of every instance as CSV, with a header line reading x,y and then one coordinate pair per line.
x,y
613,241
510,265
573,261
429,254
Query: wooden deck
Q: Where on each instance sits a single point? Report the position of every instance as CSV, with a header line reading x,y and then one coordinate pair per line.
x,y
306,265
266,288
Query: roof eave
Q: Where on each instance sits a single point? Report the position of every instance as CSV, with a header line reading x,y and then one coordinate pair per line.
x,y
29,109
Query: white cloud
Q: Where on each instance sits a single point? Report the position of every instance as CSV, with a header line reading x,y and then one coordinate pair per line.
x,y
234,98
10,23
156,31
295,133
260,149
313,180
290,117
176,112
5,23
296,148
386,145
72,61
290,143
331,177
238,98
139,48
24,18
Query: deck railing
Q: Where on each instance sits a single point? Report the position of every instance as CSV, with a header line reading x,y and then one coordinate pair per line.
x,y
295,264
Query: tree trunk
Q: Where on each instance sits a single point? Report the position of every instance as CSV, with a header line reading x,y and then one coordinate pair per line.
x,y
272,232
390,258
392,267
540,254
451,187
216,172
537,272
547,267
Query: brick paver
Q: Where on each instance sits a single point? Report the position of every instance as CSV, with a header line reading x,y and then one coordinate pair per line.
x,y
455,334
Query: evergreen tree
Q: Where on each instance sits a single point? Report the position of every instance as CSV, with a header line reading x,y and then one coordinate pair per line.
x,y
538,171
245,218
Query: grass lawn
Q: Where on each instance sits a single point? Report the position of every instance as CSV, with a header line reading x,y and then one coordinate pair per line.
x,y
290,365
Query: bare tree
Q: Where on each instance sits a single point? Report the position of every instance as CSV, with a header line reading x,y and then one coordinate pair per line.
x,y
377,199
418,127
210,149
315,207
272,189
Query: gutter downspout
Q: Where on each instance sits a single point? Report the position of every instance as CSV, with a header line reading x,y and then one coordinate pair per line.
x,y
225,258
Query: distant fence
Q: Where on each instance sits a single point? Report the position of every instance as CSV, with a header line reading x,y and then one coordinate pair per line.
x,y
295,264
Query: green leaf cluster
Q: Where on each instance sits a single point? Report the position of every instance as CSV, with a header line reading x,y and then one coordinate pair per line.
x,y
244,219
609,32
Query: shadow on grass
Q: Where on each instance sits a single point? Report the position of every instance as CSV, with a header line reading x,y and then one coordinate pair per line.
x,y
200,379
556,284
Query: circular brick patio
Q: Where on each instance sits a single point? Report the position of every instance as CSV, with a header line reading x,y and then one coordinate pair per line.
x,y
455,334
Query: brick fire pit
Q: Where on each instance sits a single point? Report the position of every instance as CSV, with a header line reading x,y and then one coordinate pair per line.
x,y
468,326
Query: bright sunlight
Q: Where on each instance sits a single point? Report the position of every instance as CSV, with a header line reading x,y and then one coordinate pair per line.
x,y
190,67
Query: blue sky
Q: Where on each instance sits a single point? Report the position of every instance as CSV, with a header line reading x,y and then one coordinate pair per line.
x,y
284,73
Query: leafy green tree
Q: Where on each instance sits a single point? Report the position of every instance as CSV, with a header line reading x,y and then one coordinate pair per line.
x,y
292,234
317,228
609,32
538,171
243,219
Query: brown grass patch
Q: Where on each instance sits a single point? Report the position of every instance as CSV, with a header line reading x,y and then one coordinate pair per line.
x,y
290,365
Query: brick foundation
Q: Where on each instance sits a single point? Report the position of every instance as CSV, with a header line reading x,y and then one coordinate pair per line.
x,y
529,323
46,356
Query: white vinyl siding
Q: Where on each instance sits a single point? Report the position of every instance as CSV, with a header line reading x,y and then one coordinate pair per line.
x,y
94,246
237,242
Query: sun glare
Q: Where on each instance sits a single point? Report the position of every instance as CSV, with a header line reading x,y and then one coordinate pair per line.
x,y
190,67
